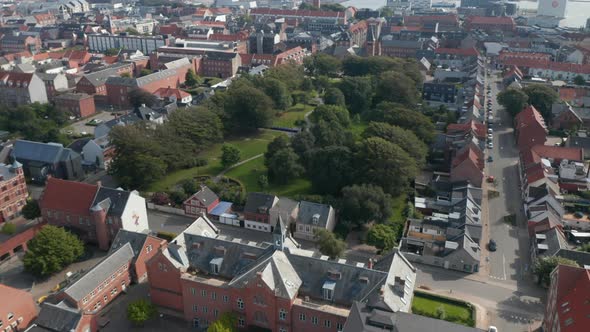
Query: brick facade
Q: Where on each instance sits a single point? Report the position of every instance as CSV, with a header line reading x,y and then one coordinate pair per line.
x,y
17,309
13,191
79,105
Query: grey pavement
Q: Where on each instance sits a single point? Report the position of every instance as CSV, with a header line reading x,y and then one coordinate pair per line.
x,y
80,126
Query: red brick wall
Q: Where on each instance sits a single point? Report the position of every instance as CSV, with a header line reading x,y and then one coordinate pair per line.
x,y
165,283
256,217
21,239
13,196
22,306
60,218
309,326
144,256
80,108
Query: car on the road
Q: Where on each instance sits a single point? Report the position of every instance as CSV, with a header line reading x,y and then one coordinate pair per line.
x,y
492,246
490,131
490,159
490,145
492,329
490,137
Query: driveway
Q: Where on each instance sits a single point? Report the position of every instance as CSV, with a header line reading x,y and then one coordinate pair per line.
x,y
80,126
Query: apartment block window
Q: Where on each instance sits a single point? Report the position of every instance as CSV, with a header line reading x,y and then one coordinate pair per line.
x,y
213,296
225,298
114,291
282,314
241,322
339,327
105,298
215,313
193,291
195,308
302,317
314,320
148,249
569,321
240,304
10,315
327,323
204,293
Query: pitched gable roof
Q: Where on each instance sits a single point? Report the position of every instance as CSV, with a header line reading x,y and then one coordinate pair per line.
x,y
58,317
559,152
69,196
117,200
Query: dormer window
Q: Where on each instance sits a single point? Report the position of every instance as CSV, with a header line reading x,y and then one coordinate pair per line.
x,y
315,219
328,289
215,265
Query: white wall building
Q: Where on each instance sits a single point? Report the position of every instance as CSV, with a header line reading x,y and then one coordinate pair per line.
x,y
555,8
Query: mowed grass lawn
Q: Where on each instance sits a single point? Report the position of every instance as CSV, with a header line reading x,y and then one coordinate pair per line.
x,y
249,173
293,114
426,305
249,147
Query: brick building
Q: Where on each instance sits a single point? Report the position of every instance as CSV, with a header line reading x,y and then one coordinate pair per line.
x,y
20,43
79,105
201,203
257,211
54,83
13,191
17,309
95,83
21,89
222,65
93,212
270,287
567,301
490,24
530,128
118,88
144,246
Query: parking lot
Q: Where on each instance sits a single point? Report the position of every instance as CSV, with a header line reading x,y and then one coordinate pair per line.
x,y
80,127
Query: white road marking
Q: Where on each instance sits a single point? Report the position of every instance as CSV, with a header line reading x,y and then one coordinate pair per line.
x,y
504,265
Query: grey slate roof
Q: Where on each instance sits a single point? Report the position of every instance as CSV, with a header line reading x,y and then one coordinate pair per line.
x,y
259,202
58,318
99,78
36,151
118,200
277,273
135,239
205,195
284,209
7,171
79,144
307,211
99,273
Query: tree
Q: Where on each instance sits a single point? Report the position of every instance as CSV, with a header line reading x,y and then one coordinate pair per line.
x,y
545,265
278,92
140,311
375,65
112,51
382,236
145,72
190,186
139,97
283,166
247,108
291,74
230,155
51,250
406,139
358,93
385,164
398,115
132,31
31,210
198,124
277,144
191,79
329,244
263,181
330,168
396,87
227,322
333,96
585,247
8,228
441,312
331,114
542,97
302,142
579,80
331,133
321,64
364,203
513,100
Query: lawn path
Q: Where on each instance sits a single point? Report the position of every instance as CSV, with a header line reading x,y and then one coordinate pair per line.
x,y
218,176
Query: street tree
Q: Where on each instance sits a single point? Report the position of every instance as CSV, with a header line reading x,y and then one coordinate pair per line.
x,y
51,250
364,203
385,164
329,244
31,210
579,80
543,267
382,236
513,100
141,311
542,97
230,155
191,79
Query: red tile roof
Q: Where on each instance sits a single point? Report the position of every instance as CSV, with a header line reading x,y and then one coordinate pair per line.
x,y
523,55
559,152
535,173
70,196
528,117
15,78
571,285
495,20
458,51
470,153
295,12
16,298
570,94
397,28
478,128
168,92
452,19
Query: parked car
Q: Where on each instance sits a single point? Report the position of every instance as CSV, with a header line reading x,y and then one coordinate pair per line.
x,y
492,246
492,329
490,145
490,131
490,137
490,159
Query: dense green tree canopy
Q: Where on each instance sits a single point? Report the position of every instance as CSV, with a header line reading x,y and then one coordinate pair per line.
x,y
227,322
139,97
579,80
398,115
140,311
364,203
385,164
545,265
382,236
322,64
542,97
247,108
358,93
31,210
513,100
197,124
35,122
284,166
396,87
330,168
230,155
334,96
331,114
406,139
191,79
277,91
51,250
331,133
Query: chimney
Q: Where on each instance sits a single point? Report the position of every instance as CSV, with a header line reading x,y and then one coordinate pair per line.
x,y
99,183
370,264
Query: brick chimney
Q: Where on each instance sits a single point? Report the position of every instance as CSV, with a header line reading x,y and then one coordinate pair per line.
x,y
370,264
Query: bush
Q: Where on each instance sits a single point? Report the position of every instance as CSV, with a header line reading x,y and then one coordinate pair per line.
x,y
168,236
160,198
9,229
140,311
178,197
190,186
